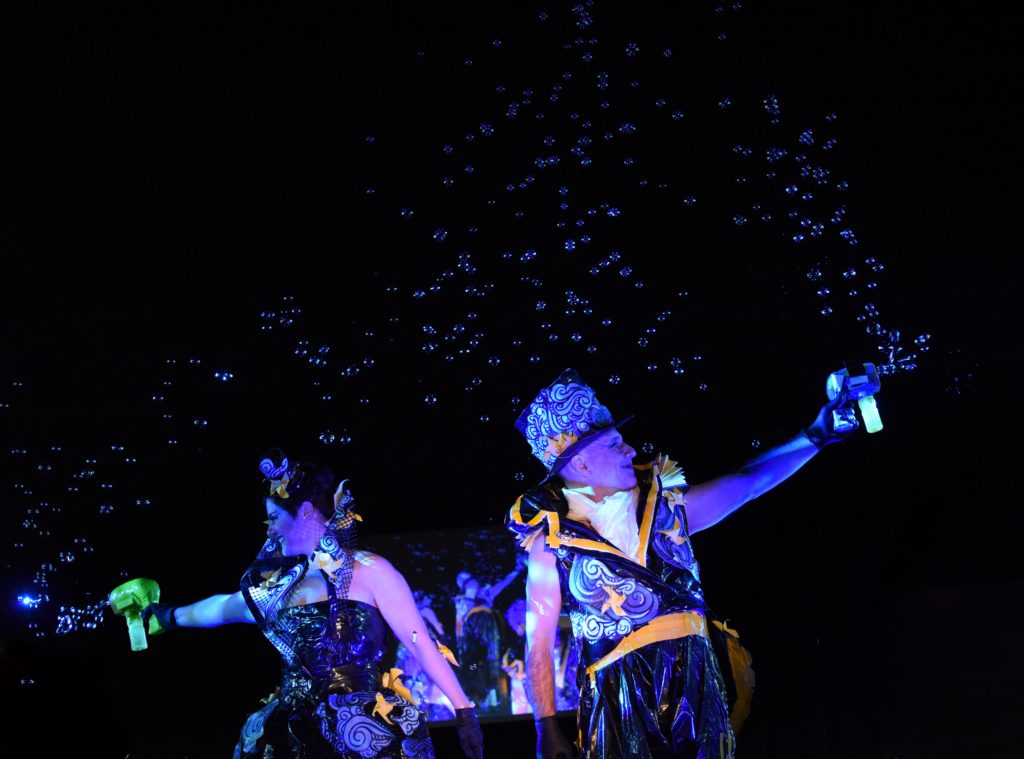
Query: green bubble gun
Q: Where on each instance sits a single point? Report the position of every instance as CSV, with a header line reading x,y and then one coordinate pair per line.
x,y
128,600
857,382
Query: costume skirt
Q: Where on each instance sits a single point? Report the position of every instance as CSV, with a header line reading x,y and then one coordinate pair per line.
x,y
359,725
665,699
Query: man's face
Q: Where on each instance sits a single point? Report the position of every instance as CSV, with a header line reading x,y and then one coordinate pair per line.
x,y
609,462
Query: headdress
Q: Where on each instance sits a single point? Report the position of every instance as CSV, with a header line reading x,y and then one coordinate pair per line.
x,y
269,578
278,474
562,420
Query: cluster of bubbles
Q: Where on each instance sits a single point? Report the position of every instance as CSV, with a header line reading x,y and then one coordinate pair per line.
x,y
590,123
56,488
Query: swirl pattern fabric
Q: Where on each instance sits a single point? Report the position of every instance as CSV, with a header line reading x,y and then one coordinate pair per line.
x,y
612,605
565,412
571,408
326,706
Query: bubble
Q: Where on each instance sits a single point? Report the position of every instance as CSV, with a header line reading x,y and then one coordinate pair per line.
x,y
199,423
632,49
614,379
440,234
327,437
755,443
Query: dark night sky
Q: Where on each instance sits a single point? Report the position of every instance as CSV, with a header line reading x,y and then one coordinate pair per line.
x,y
170,177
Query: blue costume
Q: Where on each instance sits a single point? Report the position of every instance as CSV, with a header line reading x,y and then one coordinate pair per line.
x,y
333,701
649,680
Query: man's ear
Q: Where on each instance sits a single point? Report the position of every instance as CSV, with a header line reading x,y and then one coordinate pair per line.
x,y
578,466
308,509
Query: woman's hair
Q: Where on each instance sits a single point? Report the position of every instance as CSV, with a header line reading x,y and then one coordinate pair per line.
x,y
307,481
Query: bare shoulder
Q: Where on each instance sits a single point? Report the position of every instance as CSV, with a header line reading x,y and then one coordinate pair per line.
x,y
372,564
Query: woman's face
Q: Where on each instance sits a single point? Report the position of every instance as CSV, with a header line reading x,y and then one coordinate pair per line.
x,y
296,534
280,524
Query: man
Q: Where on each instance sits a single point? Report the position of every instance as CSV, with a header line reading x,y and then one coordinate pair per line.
x,y
478,641
610,541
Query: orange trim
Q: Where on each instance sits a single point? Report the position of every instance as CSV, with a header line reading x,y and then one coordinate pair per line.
x,y
550,516
666,627
648,520
554,526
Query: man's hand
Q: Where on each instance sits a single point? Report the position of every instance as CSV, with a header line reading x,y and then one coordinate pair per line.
x,y
822,430
471,739
551,743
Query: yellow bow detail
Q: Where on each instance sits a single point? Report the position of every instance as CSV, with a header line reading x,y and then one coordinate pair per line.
x,y
390,680
279,487
556,445
270,578
674,533
383,708
323,560
447,653
674,497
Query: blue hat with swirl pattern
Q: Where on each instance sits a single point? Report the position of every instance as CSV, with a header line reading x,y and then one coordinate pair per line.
x,y
564,418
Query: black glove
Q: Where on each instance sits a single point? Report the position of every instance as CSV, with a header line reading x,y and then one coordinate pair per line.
x,y
822,430
159,618
470,737
551,743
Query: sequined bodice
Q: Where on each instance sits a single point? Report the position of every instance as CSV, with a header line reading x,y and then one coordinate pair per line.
x,y
339,657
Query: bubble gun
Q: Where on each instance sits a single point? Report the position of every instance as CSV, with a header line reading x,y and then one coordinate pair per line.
x,y
856,382
128,600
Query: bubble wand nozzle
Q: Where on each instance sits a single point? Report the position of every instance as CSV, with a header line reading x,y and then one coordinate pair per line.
x,y
128,600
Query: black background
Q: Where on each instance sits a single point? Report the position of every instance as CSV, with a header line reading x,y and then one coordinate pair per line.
x,y
170,175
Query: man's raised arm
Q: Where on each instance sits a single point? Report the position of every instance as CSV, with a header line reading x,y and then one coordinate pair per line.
x,y
710,502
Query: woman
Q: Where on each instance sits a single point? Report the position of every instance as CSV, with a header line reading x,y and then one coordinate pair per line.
x,y
324,604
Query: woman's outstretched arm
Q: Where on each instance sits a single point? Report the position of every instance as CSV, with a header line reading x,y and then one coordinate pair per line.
x,y
214,611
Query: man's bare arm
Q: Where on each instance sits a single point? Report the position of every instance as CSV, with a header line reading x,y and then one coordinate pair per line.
x,y
543,605
710,502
